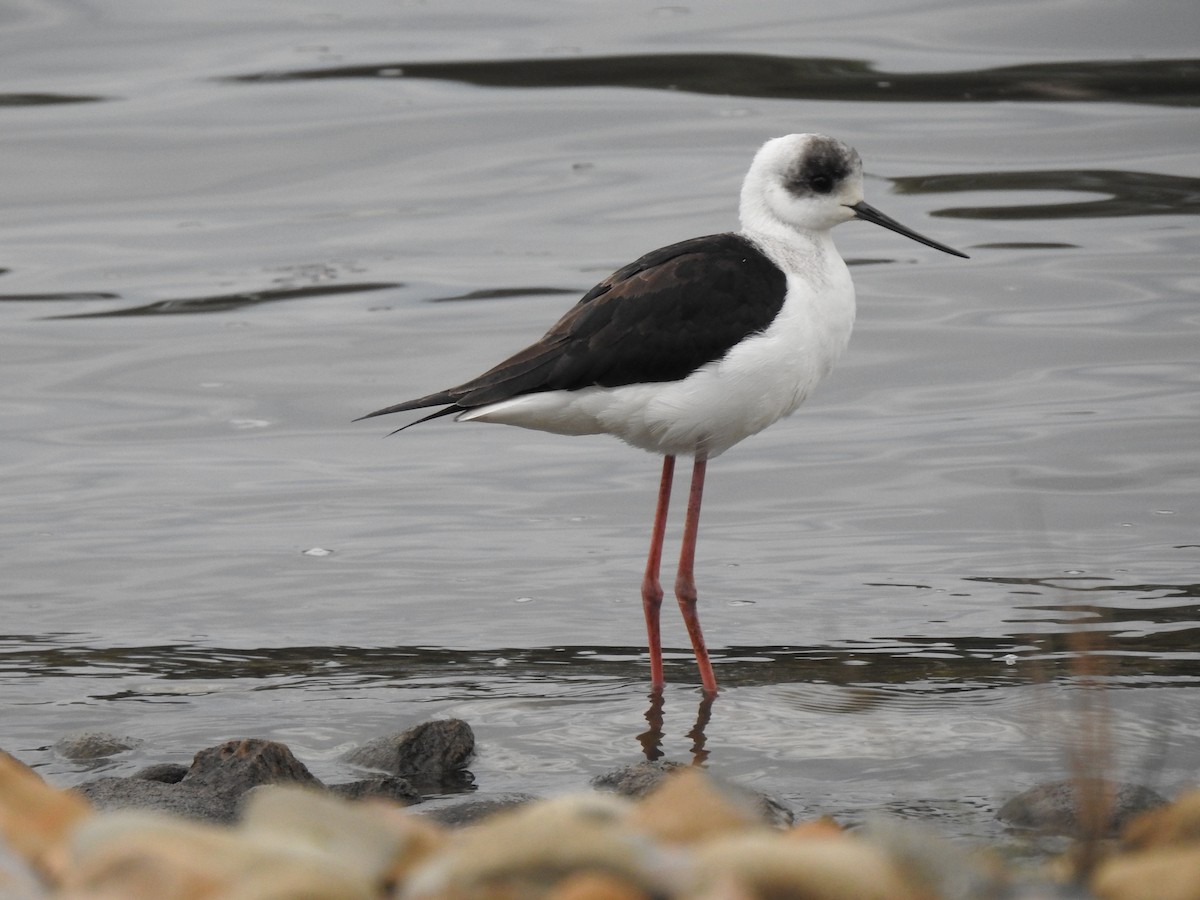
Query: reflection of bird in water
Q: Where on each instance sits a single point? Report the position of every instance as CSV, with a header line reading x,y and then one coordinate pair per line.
x,y
696,346
652,738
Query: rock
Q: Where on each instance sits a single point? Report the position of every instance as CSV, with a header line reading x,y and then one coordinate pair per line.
x,y
432,755
367,840
150,854
1163,873
457,813
596,886
1177,823
237,766
35,818
527,851
212,787
825,826
771,811
382,787
688,807
1163,858
767,864
18,880
637,780
641,779
201,803
935,866
1053,808
167,773
92,745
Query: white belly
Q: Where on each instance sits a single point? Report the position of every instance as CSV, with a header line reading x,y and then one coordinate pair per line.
x,y
761,380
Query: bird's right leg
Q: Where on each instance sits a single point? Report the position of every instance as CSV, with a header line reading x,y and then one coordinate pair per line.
x,y
652,592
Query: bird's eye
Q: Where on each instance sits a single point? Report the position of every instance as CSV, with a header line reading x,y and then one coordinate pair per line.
x,y
821,184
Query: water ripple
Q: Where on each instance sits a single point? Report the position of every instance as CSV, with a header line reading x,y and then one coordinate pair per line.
x,y
1172,82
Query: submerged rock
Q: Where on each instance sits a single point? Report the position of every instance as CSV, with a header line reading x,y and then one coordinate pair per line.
x,y
88,745
457,813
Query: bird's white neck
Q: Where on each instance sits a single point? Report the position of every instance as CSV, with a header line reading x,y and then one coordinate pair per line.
x,y
792,248
806,254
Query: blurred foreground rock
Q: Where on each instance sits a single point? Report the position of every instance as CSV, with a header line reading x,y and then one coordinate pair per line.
x,y
658,832
642,778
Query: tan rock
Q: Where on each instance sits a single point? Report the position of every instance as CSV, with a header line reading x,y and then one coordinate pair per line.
x,y
145,854
532,849
824,827
35,818
769,866
1164,873
596,886
689,806
376,841
1177,823
418,838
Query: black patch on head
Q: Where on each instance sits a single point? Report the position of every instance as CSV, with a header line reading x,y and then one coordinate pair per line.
x,y
821,169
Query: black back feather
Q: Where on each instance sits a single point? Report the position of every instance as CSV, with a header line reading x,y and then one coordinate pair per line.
x,y
657,319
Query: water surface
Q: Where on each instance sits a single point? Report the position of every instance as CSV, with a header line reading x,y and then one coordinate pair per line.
x,y
230,231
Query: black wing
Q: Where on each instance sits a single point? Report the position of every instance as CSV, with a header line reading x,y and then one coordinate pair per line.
x,y
657,319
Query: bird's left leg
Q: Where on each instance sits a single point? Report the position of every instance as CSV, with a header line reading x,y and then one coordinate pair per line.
x,y
652,592
685,581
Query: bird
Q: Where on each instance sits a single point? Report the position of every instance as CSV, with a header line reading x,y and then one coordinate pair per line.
x,y
695,346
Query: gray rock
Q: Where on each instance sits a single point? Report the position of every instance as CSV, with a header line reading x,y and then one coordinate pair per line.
x,y
113,793
386,787
1053,808
167,773
637,780
237,766
213,786
432,755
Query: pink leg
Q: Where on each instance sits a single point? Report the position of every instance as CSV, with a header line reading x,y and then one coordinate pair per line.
x,y
652,592
685,582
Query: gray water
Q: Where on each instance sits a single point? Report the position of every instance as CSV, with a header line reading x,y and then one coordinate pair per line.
x,y
229,229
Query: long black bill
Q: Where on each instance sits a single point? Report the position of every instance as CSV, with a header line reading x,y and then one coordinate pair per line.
x,y
868,213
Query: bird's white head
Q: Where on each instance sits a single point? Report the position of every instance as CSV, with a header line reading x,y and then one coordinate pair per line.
x,y
803,182
806,184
